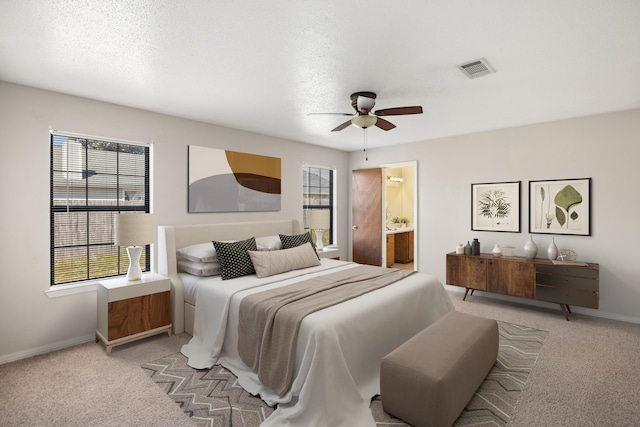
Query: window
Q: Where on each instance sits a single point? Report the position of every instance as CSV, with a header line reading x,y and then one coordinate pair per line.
x,y
91,181
317,194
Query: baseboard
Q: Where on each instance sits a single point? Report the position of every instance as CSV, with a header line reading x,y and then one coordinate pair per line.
x,y
7,358
524,301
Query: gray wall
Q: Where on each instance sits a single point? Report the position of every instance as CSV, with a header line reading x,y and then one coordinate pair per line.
x,y
30,320
605,148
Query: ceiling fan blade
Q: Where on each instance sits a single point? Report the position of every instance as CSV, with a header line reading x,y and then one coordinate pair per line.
x,y
342,126
384,125
332,114
399,111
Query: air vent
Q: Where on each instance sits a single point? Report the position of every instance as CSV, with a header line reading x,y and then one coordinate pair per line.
x,y
477,68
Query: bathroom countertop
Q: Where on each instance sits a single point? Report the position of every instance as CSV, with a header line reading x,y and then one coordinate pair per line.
x,y
399,230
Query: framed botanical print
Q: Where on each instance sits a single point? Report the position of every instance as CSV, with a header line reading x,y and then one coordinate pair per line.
x,y
495,206
560,206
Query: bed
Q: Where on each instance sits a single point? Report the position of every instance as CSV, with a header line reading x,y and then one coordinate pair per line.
x,y
339,348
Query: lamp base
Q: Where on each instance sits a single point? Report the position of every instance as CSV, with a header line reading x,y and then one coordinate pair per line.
x,y
319,234
134,272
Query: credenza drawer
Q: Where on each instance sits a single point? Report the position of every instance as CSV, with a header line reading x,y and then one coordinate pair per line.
x,y
567,296
575,282
567,270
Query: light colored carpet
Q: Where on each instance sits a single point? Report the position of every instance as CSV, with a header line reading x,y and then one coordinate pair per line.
x,y
213,397
82,386
587,374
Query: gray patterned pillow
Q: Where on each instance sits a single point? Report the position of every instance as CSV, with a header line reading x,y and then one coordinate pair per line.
x,y
291,241
234,257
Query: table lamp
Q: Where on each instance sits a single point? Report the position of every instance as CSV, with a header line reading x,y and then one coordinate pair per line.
x,y
134,231
319,221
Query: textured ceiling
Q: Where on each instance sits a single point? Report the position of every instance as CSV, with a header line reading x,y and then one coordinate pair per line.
x,y
263,65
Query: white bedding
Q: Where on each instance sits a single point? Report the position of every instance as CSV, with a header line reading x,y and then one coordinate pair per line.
x,y
339,348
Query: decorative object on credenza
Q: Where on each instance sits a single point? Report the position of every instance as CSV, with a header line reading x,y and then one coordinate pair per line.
x,y
319,221
509,251
134,231
475,247
459,249
560,206
530,249
495,206
229,181
568,255
467,248
496,250
552,250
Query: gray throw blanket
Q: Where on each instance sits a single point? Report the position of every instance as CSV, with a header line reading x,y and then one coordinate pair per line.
x,y
269,321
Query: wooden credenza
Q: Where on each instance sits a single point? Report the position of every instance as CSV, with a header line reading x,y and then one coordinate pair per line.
x,y
537,279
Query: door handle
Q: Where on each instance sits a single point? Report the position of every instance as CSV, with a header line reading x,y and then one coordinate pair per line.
x,y
355,227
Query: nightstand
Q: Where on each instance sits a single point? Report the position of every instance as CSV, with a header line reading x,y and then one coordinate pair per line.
x,y
132,310
329,252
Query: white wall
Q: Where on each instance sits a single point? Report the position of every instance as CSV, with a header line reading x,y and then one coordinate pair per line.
x,y
604,147
30,321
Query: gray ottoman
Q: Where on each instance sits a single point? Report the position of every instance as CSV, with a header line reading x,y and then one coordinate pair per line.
x,y
428,380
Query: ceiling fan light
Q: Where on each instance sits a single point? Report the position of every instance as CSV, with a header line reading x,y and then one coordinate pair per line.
x,y
364,121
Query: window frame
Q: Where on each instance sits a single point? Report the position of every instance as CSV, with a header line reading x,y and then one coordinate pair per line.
x,y
122,261
330,187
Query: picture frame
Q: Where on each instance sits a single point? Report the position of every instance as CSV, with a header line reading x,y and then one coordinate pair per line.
x,y
229,181
495,206
560,206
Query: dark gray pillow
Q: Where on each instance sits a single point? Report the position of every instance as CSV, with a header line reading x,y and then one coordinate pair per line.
x,y
234,258
294,240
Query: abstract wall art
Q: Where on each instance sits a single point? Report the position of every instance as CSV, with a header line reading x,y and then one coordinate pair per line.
x,y
229,181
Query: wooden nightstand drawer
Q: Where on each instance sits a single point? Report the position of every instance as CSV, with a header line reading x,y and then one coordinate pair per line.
x,y
135,315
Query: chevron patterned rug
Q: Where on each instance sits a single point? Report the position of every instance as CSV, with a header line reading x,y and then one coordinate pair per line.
x,y
213,397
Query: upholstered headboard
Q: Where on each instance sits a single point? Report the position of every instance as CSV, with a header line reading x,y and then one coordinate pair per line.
x,y
173,237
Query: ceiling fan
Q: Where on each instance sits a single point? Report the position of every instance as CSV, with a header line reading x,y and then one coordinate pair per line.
x,y
363,103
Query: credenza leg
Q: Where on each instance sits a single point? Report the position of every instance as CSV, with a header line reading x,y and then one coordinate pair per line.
x,y
564,308
466,291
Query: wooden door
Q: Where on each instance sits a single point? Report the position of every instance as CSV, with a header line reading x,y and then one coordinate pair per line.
x,y
366,196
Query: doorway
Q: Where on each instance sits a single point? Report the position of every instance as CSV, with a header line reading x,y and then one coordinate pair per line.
x,y
385,216
401,215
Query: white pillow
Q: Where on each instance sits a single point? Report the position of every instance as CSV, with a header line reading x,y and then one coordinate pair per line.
x,y
268,263
202,252
269,243
200,268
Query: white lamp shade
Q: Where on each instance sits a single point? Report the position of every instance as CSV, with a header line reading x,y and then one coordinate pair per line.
x,y
319,219
133,229
364,121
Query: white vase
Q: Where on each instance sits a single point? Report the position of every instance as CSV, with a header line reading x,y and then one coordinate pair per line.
x,y
496,250
552,250
530,249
